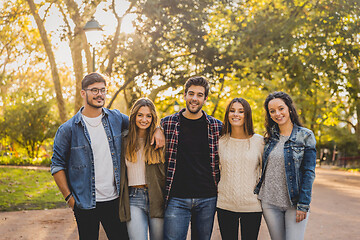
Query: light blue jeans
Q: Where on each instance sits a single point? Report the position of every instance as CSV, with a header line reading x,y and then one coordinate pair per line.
x,y
180,211
282,224
140,222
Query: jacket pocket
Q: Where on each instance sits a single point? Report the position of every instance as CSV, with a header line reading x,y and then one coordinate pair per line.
x,y
79,156
298,149
298,154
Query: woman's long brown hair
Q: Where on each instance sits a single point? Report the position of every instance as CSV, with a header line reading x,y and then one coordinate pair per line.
x,y
248,123
152,156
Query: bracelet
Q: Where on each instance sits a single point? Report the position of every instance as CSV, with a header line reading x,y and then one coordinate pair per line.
x,y
68,197
160,127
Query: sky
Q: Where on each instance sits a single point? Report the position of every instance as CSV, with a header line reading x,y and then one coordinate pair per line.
x,y
54,23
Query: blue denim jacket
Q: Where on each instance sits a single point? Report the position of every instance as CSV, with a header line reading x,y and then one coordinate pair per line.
x,y
73,154
300,162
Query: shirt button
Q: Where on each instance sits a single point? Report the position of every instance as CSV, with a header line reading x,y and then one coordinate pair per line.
x,y
109,138
290,177
289,164
112,153
288,150
115,168
93,194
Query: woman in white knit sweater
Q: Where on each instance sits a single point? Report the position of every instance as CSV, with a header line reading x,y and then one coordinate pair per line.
x,y
240,151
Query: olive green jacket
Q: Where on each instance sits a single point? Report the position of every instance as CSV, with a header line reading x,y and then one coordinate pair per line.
x,y
155,179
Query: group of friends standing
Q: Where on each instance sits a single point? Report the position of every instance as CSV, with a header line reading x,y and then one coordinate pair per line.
x,y
142,178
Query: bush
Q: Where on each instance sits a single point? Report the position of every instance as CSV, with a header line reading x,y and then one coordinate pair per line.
x,y
29,123
18,161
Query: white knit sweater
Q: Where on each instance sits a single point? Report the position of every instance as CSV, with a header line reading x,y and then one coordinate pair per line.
x,y
240,166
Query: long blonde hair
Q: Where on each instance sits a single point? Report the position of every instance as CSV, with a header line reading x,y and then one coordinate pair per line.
x,y
152,156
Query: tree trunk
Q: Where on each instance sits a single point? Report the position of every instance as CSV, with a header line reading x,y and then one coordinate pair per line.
x,y
77,42
118,91
357,130
155,91
50,54
113,48
218,97
357,106
114,44
76,48
355,82
88,55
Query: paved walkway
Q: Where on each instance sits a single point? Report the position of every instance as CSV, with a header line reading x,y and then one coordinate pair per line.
x,y
335,214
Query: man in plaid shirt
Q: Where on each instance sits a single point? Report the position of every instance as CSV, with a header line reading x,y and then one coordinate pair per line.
x,y
192,161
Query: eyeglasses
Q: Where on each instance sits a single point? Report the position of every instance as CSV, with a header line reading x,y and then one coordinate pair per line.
x,y
96,91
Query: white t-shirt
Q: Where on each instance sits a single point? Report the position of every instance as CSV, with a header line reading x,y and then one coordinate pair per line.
x,y
104,170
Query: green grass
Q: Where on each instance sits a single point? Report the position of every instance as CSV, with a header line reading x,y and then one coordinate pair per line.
x,y
24,189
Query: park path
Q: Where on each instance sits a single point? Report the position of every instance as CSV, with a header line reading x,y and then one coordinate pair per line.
x,y
335,214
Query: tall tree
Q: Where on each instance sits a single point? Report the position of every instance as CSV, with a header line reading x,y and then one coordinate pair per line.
x,y
51,57
79,15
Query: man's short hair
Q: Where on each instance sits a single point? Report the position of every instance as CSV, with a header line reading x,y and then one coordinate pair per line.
x,y
91,79
197,81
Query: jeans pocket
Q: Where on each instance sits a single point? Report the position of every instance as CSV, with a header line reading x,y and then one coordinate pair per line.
x,y
132,194
138,199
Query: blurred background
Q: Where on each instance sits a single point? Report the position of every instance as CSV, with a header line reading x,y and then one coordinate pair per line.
x,y
149,48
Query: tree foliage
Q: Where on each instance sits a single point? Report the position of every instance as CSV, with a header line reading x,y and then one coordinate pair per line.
x,y
308,48
29,123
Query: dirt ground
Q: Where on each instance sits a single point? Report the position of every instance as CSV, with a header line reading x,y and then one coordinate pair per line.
x,y
335,214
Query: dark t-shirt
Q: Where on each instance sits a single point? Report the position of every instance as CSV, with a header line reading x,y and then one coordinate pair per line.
x,y
193,175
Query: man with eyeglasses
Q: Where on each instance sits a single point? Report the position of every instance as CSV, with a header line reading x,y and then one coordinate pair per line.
x,y
86,162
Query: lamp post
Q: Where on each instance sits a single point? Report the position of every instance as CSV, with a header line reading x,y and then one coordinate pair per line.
x,y
92,29
176,106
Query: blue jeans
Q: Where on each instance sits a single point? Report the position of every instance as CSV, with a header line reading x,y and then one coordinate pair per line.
x,y
140,222
178,213
282,224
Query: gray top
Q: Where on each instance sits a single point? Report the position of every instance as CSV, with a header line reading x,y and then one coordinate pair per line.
x,y
274,188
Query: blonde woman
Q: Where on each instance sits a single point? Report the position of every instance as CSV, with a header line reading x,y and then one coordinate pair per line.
x,y
145,172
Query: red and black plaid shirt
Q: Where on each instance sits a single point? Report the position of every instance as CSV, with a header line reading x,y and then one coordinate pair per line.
x,y
171,126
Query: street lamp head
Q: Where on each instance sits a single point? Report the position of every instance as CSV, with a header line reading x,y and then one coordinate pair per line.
x,y
92,30
92,25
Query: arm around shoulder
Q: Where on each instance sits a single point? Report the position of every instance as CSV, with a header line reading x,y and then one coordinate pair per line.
x,y
125,121
124,118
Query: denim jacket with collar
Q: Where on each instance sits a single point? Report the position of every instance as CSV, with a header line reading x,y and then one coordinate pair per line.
x,y
300,162
74,155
